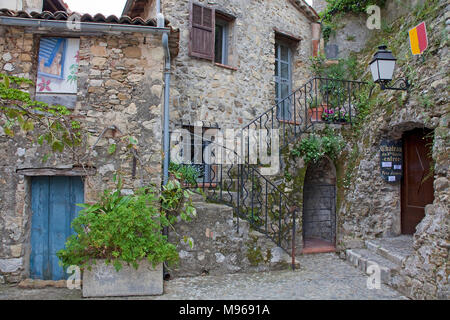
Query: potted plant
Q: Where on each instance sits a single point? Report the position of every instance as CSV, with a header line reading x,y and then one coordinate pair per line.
x,y
315,109
119,243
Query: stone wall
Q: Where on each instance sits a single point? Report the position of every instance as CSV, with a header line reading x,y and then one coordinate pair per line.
x,y
352,33
370,207
204,91
319,5
119,83
217,248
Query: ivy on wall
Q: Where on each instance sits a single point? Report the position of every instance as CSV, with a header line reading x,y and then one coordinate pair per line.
x,y
336,8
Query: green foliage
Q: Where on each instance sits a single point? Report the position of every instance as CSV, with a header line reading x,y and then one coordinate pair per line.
x,y
19,112
346,6
333,92
315,147
127,228
345,68
331,115
425,101
337,8
186,172
176,200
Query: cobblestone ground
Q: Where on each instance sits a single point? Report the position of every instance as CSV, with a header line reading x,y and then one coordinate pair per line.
x,y
321,276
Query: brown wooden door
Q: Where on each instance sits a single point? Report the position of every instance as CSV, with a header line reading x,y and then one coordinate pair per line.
x,y
417,183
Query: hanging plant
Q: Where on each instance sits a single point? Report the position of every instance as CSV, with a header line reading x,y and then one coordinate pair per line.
x,y
313,148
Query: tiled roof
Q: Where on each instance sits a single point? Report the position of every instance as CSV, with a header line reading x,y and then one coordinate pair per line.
x,y
63,16
174,35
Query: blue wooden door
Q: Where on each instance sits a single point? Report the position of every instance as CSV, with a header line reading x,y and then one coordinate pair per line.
x,y
53,204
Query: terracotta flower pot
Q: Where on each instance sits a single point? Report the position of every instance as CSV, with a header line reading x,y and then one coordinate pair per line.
x,y
316,113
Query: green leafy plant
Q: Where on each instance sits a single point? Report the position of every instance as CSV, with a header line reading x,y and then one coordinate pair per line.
x,y
53,123
313,148
333,92
127,228
186,172
336,8
331,115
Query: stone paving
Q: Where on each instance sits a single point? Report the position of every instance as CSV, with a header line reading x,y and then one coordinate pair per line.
x,y
321,276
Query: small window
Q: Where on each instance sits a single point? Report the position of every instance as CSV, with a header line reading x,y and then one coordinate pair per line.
x,y
221,42
210,34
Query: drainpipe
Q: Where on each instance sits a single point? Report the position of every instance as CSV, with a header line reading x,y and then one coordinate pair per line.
x,y
165,40
166,142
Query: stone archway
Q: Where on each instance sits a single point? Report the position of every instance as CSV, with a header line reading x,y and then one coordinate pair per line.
x,y
319,207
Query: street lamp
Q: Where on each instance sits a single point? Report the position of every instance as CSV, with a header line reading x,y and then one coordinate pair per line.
x,y
382,68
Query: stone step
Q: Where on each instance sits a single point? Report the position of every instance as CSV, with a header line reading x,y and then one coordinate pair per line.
x,y
363,258
196,197
225,250
395,249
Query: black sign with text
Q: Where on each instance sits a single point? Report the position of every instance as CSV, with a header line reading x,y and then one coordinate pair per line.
x,y
391,160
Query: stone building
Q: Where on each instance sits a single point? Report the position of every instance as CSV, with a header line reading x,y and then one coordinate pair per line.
x,y
117,93
234,82
245,65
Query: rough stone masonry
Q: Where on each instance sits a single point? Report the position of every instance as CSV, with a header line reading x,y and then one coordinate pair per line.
x,y
119,84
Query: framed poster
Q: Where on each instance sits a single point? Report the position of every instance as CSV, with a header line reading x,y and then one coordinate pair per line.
x,y
58,65
391,160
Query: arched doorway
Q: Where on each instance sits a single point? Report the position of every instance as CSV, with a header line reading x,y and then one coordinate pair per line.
x,y
319,207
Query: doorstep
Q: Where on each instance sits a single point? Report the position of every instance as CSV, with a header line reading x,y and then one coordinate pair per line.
x,y
318,246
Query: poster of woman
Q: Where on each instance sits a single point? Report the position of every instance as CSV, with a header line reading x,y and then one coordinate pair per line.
x,y
58,65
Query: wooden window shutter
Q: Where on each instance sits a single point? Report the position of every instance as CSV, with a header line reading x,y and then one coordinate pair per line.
x,y
202,32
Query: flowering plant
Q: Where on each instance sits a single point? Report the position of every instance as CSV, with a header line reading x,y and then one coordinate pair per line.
x,y
331,115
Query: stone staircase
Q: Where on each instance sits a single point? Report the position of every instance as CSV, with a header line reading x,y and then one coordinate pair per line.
x,y
389,254
219,249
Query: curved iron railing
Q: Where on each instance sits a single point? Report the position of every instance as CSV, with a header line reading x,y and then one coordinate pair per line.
x,y
320,100
241,185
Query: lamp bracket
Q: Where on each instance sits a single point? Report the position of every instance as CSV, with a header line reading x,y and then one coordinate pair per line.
x,y
403,85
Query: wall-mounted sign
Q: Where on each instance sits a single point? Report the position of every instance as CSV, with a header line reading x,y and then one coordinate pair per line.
x,y
418,39
391,160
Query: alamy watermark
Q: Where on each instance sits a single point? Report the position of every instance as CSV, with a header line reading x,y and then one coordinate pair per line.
x,y
74,280
74,22
374,20
374,279
213,146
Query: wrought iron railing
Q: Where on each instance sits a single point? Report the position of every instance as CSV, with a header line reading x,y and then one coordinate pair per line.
x,y
320,100
254,198
241,185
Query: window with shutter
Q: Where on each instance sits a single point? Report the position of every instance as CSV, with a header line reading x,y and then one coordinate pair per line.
x,y
202,23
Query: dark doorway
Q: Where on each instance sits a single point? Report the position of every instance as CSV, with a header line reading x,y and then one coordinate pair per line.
x,y
417,183
319,207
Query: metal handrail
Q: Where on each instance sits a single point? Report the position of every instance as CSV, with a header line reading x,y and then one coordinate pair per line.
x,y
301,101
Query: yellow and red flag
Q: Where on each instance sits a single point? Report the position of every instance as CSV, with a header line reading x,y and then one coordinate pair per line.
x,y
418,39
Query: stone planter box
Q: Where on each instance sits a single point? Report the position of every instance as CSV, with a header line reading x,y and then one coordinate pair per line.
x,y
104,281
